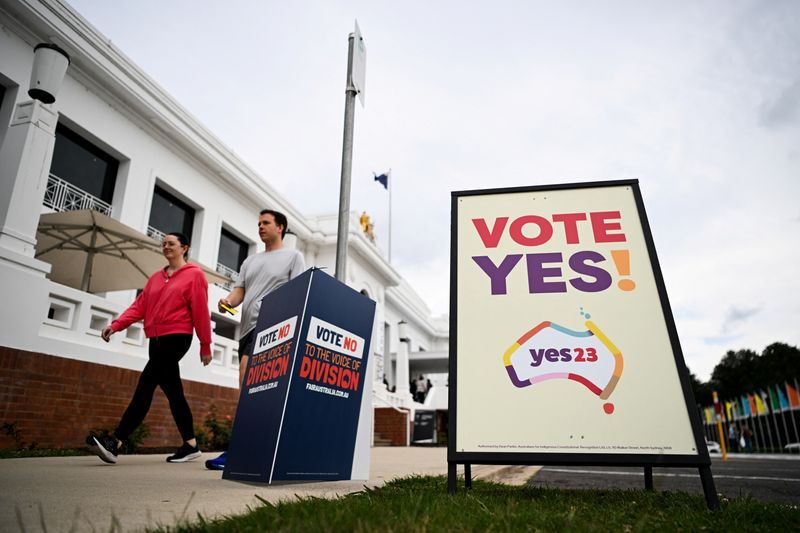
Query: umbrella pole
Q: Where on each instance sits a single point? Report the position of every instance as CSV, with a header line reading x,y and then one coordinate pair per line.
x,y
87,270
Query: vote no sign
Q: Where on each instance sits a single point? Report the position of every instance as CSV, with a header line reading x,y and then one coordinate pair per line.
x,y
305,404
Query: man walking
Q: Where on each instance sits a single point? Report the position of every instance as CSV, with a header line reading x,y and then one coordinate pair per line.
x,y
259,275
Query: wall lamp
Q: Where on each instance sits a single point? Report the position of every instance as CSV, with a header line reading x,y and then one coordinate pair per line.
x,y
49,66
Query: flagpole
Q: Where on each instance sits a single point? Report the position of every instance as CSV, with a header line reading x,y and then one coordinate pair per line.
x,y
347,165
391,179
791,412
783,420
766,421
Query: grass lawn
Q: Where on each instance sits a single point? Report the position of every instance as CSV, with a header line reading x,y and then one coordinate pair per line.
x,y
422,504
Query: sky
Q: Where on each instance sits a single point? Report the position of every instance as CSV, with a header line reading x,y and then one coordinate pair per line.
x,y
699,101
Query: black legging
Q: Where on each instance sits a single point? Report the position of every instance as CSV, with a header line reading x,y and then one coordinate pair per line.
x,y
161,370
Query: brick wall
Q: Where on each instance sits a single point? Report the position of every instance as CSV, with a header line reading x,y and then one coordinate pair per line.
x,y
55,402
392,425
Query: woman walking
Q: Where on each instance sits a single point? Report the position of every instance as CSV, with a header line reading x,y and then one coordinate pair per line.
x,y
174,301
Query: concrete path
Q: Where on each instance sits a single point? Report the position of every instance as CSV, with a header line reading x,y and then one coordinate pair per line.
x,y
84,494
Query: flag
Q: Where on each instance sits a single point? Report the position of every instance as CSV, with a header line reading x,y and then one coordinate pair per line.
x,y
773,398
752,404
383,179
759,404
745,406
782,397
729,410
794,398
708,415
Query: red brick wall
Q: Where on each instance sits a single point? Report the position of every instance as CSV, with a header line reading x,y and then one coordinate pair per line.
x,y
55,402
392,425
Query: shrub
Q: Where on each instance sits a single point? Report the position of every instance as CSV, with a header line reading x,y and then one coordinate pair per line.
x,y
12,430
217,433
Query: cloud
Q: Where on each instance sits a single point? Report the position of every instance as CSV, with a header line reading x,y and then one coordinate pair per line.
x,y
736,317
783,110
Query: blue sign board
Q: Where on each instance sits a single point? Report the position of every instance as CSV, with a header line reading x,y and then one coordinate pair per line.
x,y
300,402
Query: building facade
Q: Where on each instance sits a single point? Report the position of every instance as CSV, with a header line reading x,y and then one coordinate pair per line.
x,y
118,144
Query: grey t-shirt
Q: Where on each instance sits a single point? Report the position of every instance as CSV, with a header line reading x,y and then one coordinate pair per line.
x,y
261,274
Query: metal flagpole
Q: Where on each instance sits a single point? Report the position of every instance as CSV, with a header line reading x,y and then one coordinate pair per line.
x,y
766,420
347,166
791,413
355,82
390,179
783,420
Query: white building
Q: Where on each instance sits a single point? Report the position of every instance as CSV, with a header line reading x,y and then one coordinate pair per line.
x,y
116,142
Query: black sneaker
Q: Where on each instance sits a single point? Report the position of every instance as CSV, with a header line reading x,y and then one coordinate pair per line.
x,y
185,453
103,446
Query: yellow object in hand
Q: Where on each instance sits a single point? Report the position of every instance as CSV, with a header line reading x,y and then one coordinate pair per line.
x,y
231,310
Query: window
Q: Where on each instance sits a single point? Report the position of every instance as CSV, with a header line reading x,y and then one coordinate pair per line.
x,y
232,250
168,214
84,165
224,328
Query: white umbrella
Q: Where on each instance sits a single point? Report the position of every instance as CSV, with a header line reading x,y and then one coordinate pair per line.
x,y
96,253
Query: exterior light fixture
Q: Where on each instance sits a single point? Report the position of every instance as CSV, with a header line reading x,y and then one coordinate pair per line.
x,y
402,331
49,66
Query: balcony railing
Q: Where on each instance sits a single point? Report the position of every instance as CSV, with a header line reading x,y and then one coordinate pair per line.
x,y
227,271
153,233
61,195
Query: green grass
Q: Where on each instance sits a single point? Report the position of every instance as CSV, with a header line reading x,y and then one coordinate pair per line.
x,y
41,452
422,504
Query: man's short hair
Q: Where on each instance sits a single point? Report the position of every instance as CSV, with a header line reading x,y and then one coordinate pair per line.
x,y
280,219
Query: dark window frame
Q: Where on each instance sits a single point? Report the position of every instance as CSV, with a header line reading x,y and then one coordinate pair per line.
x,y
188,222
244,249
109,179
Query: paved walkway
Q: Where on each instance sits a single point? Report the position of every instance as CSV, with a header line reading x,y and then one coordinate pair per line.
x,y
84,494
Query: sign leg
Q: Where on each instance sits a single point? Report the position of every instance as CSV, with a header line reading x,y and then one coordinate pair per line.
x,y
648,478
451,477
467,475
710,490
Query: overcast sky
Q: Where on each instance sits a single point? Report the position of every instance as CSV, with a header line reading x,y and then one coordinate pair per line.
x,y
699,101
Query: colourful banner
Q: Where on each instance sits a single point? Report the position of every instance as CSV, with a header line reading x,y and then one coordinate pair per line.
x,y
760,408
774,401
783,399
745,406
794,398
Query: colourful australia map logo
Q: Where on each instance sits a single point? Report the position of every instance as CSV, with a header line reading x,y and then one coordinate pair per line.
x,y
551,351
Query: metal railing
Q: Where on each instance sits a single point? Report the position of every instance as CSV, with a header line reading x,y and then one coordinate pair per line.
x,y
153,233
227,271
61,195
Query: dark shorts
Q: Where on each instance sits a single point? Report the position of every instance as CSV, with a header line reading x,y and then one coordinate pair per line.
x,y
246,344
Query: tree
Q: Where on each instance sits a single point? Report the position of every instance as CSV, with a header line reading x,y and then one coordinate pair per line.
x,y
735,374
744,371
702,391
779,362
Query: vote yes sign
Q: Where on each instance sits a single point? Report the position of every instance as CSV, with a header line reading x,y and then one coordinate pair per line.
x,y
561,336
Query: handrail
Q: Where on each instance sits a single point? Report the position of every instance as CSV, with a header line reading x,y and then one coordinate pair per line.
x,y
60,195
387,402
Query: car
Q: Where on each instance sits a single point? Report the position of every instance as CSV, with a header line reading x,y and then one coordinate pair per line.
x,y
713,446
792,447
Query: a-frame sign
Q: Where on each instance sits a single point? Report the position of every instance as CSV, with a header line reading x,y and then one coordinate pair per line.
x,y
563,348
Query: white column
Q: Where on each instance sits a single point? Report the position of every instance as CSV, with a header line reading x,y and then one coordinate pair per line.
x,y
25,159
402,369
24,167
377,345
